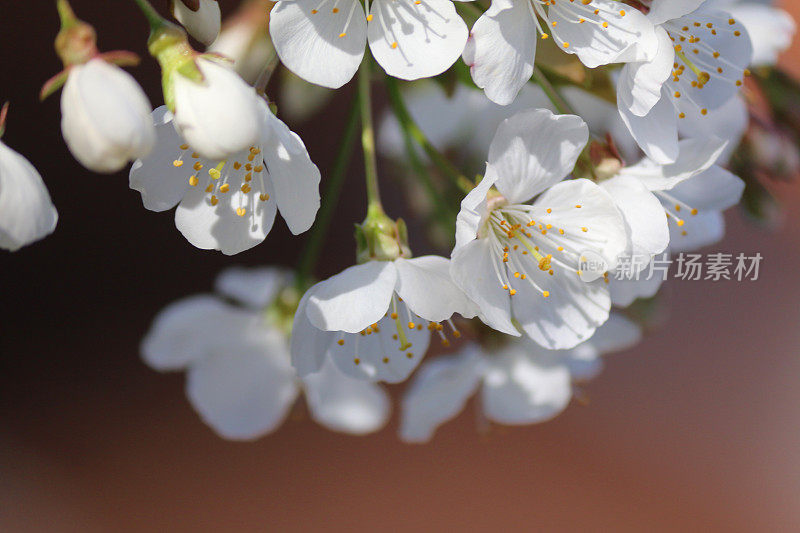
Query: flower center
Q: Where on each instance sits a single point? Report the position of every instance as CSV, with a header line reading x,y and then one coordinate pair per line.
x,y
580,11
242,179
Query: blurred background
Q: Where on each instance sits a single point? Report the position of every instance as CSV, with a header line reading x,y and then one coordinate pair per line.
x,y
698,428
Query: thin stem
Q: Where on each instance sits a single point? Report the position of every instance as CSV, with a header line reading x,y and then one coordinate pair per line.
x,y
368,137
155,20
66,14
407,124
313,246
558,102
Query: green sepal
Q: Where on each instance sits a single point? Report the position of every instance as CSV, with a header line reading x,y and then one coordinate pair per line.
x,y
53,84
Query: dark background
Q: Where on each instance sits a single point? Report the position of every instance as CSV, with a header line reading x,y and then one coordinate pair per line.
x,y
697,428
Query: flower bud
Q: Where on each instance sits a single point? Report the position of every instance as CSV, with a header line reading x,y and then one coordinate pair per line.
x,y
105,117
201,18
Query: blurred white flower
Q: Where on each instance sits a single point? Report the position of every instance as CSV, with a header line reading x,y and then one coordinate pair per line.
x,y
239,375
771,29
374,320
26,212
105,116
230,204
520,383
244,39
502,46
201,18
520,263
324,44
701,63
219,115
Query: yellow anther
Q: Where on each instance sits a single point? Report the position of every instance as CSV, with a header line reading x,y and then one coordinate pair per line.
x,y
263,197
546,294
193,181
177,163
340,342
241,211
214,200
225,188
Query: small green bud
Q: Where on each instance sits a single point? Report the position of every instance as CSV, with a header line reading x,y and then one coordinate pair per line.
x,y
379,238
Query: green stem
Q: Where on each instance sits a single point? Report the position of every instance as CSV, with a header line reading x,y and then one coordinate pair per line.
x,y
558,102
368,138
155,20
66,14
333,190
407,124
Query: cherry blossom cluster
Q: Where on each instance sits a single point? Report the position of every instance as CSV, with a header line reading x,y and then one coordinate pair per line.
x,y
599,134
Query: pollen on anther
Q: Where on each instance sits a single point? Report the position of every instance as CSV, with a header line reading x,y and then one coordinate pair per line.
x,y
394,45
263,197
241,211
546,294
411,325
340,342
177,163
193,181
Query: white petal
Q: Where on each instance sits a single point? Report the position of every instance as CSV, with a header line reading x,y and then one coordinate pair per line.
x,y
694,157
390,353
309,344
321,46
471,269
625,291
344,404
253,287
473,212
26,212
616,335
187,330
105,117
246,389
424,283
771,30
294,177
699,231
663,10
656,132
414,39
522,388
501,50
533,150
160,182
439,392
219,227
353,299
728,122
219,116
203,24
639,87
646,223
716,189
609,35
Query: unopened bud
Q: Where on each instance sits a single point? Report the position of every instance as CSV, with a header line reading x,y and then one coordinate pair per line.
x,y
379,238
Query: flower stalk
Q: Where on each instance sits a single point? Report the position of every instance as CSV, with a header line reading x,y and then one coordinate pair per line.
x,y
374,205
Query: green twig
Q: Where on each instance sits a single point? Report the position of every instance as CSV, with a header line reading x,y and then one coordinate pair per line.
x,y
368,138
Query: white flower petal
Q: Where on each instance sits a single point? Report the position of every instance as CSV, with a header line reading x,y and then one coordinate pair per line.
x,y
220,227
639,87
425,285
771,30
413,39
203,24
699,231
246,389
715,189
105,117
656,132
522,388
26,212
294,177
439,392
253,287
611,33
728,123
219,116
322,46
341,403
694,157
501,50
473,212
188,330
663,10
160,182
353,299
472,269
533,150
309,344
644,218
625,291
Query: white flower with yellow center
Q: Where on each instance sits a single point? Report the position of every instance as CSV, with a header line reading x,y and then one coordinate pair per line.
x,y
323,41
239,375
701,63
230,205
524,264
375,320
520,383
502,45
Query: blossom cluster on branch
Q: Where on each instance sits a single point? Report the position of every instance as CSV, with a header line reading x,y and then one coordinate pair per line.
x,y
553,143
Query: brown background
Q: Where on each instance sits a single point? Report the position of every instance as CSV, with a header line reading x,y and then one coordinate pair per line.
x,y
696,429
